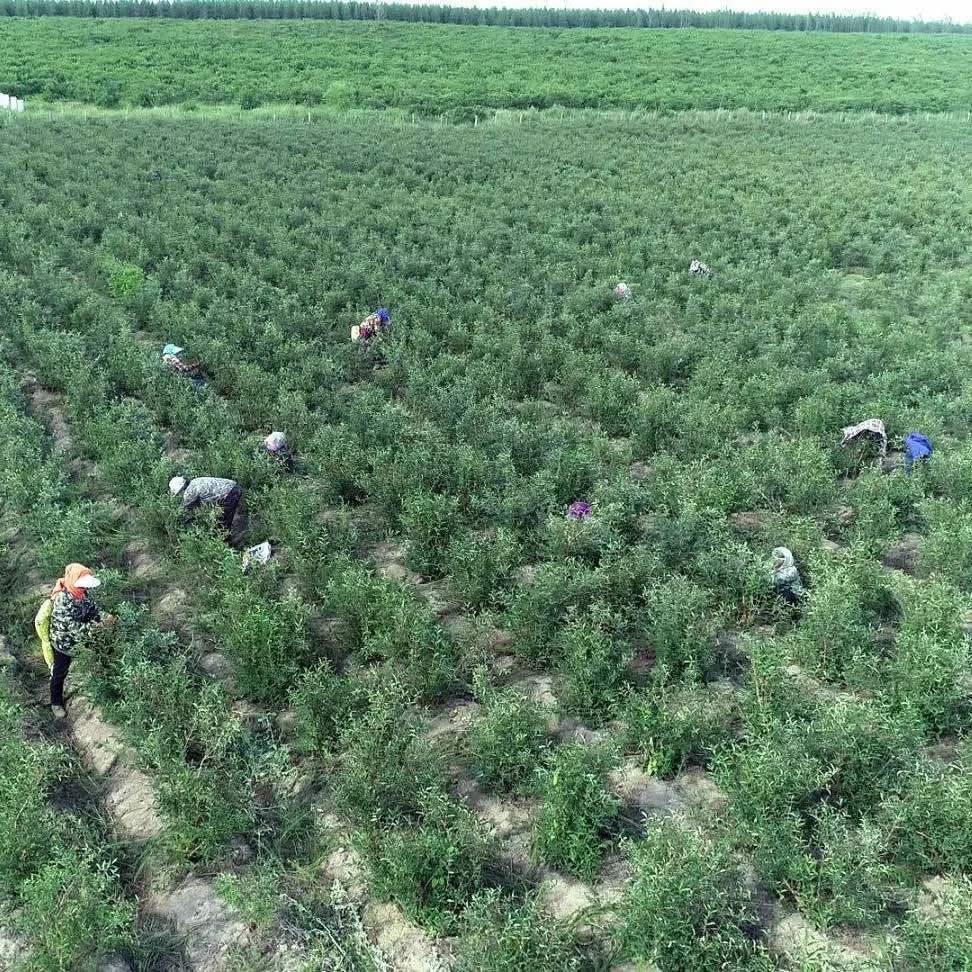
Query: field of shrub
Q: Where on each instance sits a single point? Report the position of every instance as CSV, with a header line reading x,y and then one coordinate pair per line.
x,y
548,742
430,69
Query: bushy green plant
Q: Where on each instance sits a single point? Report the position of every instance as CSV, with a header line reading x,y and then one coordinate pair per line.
x,y
324,702
74,911
938,935
185,732
685,907
123,279
500,935
674,621
594,656
670,726
507,737
267,641
480,567
930,663
59,884
846,876
255,893
928,822
587,540
836,635
433,868
385,764
430,522
946,549
571,827
883,506
537,611
385,620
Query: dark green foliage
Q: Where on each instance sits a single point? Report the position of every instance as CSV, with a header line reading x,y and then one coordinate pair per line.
x,y
594,657
384,621
266,639
938,935
514,385
325,702
498,935
676,626
506,739
480,567
571,827
685,907
430,522
670,726
433,868
58,884
928,821
385,765
470,71
185,732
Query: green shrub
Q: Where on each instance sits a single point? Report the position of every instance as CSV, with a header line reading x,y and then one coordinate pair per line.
x,y
73,911
324,702
382,620
845,878
947,550
480,567
266,641
433,868
802,756
570,830
836,636
59,883
594,658
25,773
537,611
883,506
675,623
507,737
123,279
685,907
930,664
939,935
185,733
385,764
430,522
497,935
670,726
256,893
587,540
928,823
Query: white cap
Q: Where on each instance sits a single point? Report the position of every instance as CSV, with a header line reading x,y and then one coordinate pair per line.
x,y
177,484
88,580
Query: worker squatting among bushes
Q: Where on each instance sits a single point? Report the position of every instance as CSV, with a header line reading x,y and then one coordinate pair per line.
x,y
63,622
786,578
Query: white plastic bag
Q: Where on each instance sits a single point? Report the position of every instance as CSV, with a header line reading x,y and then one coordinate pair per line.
x,y
260,554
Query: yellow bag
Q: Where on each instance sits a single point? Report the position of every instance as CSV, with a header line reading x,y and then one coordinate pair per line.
x,y
42,625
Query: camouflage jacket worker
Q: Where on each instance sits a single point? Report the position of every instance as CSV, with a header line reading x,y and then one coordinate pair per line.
x,y
207,491
71,620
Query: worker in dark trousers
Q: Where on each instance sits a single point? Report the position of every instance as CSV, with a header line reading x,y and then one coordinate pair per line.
x,y
65,624
209,491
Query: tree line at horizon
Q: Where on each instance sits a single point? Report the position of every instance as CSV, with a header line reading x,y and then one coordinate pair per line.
x,y
470,16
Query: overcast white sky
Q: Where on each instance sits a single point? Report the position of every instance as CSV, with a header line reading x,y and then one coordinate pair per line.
x,y
959,11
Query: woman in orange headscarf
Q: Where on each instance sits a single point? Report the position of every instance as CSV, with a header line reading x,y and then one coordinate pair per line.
x,y
73,615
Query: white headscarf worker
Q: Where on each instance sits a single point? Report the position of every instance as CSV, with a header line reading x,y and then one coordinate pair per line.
x,y
786,577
